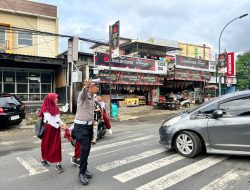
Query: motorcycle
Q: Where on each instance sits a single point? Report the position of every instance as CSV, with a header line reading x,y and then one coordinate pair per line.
x,y
185,103
101,129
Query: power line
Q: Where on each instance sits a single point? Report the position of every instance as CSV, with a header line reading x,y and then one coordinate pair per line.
x,y
38,32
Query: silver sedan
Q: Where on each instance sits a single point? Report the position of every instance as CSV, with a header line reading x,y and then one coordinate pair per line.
x,y
221,126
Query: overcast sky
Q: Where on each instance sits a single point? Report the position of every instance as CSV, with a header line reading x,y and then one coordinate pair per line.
x,y
189,21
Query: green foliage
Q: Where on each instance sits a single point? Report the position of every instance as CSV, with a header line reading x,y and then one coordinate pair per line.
x,y
243,71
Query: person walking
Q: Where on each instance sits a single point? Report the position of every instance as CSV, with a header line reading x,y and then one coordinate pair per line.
x,y
83,126
104,114
51,148
69,135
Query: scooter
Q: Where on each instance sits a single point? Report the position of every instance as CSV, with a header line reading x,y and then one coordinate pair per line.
x,y
101,129
185,103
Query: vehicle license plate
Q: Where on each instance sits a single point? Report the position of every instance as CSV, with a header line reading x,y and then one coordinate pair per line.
x,y
14,117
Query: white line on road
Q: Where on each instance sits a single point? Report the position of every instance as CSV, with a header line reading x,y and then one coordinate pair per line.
x,y
120,138
226,181
127,147
72,153
117,163
6,143
131,174
32,165
122,143
175,177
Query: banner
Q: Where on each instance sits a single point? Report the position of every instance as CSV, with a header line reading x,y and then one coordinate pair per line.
x,y
115,30
231,71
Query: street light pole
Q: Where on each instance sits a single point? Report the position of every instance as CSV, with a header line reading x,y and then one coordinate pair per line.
x,y
217,66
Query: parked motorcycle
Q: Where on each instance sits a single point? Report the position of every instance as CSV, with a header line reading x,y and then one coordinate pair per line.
x,y
185,103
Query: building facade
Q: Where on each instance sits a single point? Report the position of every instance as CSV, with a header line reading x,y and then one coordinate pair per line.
x,y
29,15
137,74
195,51
28,64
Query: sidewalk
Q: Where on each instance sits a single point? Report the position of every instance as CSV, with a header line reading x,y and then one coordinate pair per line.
x,y
126,113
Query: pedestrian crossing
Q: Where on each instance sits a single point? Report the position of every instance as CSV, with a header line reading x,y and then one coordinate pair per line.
x,y
124,164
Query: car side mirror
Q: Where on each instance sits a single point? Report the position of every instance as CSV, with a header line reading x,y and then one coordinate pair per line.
x,y
217,113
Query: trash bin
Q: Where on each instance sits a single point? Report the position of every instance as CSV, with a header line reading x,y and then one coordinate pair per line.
x,y
114,110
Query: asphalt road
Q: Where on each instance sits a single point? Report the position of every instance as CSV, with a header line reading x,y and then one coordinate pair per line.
x,y
131,158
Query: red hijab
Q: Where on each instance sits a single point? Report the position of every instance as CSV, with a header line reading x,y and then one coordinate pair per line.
x,y
49,105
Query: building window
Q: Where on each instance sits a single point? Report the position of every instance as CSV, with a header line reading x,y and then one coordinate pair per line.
x,y
27,85
25,39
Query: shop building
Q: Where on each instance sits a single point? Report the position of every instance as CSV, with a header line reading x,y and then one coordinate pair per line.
x,y
136,75
28,67
188,74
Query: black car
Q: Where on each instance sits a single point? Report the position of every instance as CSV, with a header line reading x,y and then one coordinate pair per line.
x,y
12,110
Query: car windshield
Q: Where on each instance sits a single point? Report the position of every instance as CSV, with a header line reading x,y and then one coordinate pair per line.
x,y
202,105
8,101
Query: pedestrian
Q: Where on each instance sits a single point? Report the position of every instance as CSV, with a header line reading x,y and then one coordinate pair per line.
x,y
104,114
51,148
69,134
83,127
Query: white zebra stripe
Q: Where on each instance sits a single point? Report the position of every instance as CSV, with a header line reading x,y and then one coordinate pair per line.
x,y
181,174
226,181
116,144
127,147
32,165
133,158
122,143
131,174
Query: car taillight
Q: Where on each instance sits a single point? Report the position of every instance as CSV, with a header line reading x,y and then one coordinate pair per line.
x,y
23,106
1,110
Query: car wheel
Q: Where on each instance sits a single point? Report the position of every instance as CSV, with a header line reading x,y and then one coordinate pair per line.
x,y
187,105
188,144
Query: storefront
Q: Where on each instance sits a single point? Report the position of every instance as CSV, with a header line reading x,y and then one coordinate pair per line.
x,y
28,85
187,74
31,78
133,79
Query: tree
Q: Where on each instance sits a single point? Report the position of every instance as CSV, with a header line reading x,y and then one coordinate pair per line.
x,y
243,71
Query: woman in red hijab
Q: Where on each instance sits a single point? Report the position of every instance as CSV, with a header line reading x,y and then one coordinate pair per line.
x,y
51,142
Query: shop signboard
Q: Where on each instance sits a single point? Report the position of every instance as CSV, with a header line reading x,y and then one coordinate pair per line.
x,y
130,78
222,60
191,75
104,76
133,64
230,64
132,101
191,62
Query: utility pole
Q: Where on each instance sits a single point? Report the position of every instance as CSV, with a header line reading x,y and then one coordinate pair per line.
x,y
110,92
72,59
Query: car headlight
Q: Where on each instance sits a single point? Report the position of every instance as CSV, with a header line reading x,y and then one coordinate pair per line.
x,y
171,121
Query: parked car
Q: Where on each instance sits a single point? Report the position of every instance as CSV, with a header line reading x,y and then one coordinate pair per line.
x,y
220,126
12,110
